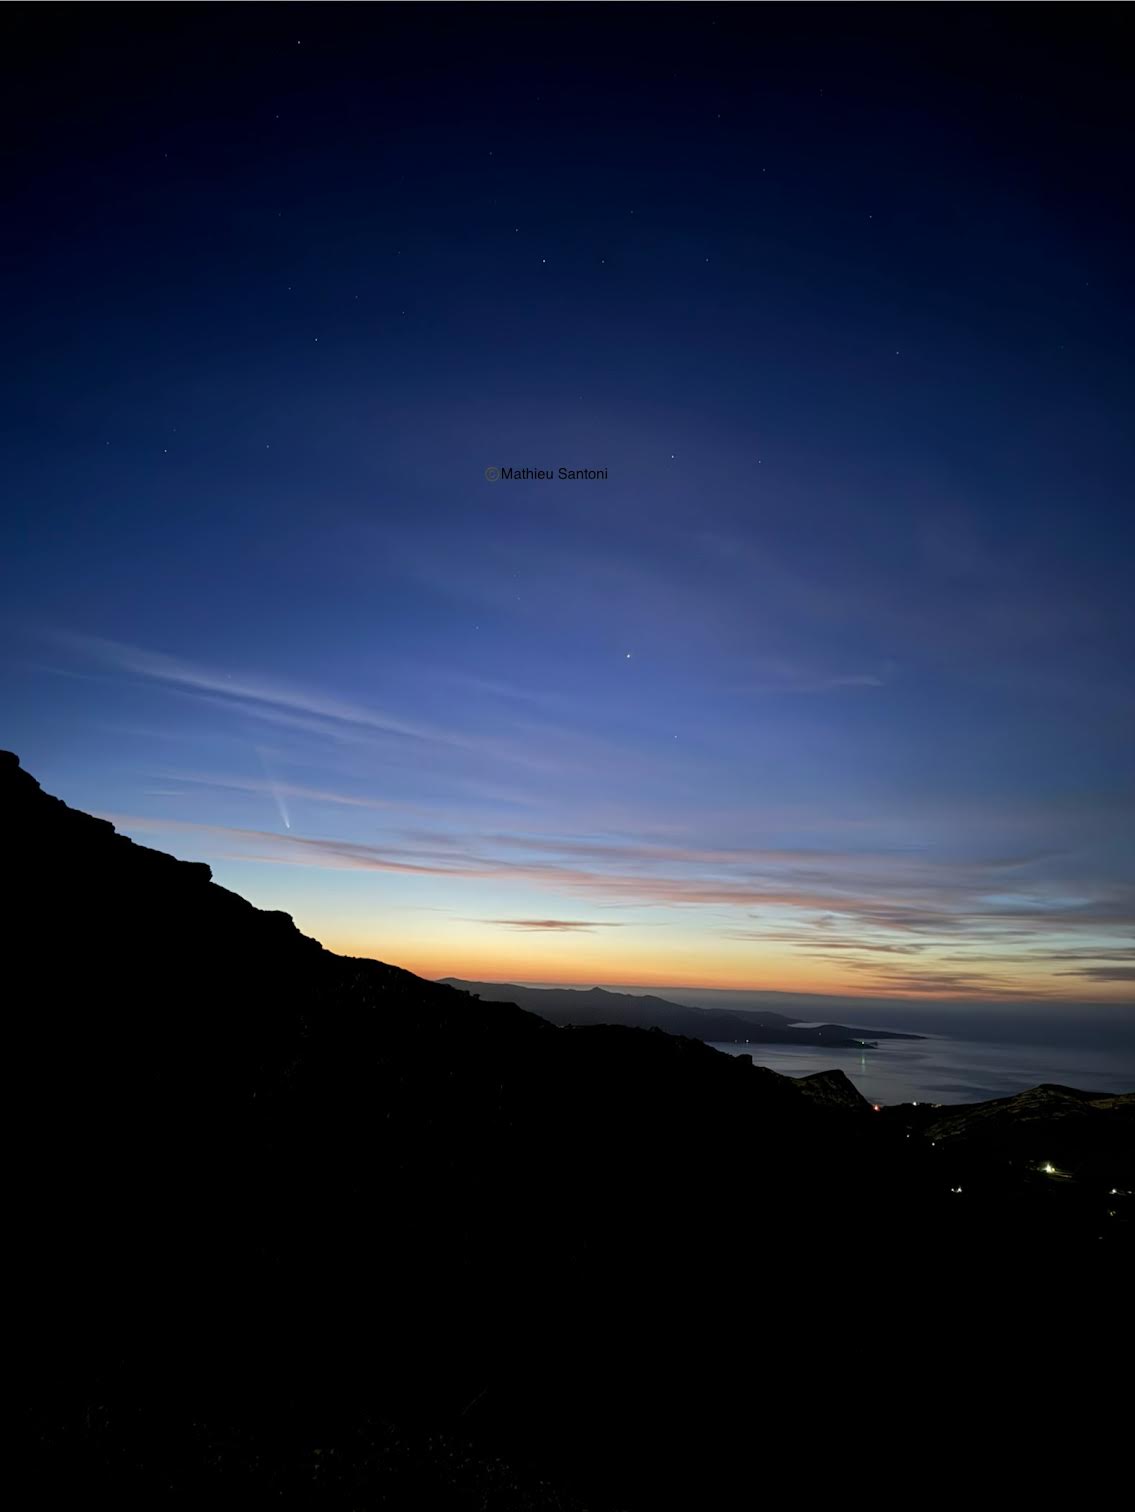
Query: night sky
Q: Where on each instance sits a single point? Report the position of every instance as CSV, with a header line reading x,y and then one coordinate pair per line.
x,y
826,687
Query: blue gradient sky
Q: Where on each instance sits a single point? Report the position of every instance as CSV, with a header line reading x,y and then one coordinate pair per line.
x,y
826,688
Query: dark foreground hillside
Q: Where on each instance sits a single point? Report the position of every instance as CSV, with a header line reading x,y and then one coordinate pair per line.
x,y
293,1229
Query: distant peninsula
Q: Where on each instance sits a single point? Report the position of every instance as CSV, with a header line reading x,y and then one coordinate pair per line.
x,y
595,1005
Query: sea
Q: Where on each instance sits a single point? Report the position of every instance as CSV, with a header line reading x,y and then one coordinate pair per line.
x,y
941,1069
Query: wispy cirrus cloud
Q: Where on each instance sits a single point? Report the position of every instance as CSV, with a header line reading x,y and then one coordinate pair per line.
x,y
901,894
257,696
586,926
1103,973
536,746
782,675
269,787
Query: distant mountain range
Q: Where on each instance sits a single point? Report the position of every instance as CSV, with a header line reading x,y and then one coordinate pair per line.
x,y
568,1005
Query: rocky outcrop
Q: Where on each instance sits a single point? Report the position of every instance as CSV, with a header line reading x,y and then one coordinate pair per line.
x,y
832,1089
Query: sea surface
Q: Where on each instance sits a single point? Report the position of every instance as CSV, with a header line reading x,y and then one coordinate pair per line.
x,y
945,1070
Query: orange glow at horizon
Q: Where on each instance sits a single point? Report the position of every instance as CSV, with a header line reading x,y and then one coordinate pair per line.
x,y
586,961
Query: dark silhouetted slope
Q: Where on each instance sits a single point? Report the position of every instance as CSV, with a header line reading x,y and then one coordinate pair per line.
x,y
297,1229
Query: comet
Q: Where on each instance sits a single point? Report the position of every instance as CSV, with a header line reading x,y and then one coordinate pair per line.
x,y
275,789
